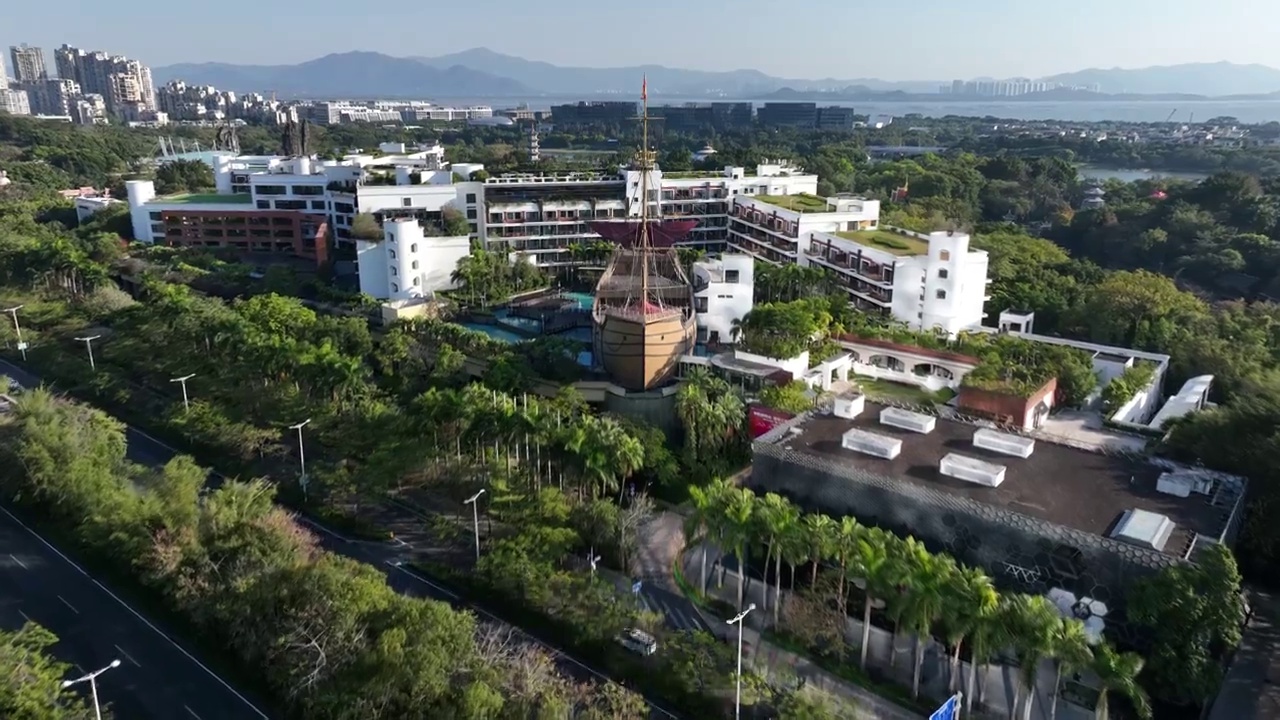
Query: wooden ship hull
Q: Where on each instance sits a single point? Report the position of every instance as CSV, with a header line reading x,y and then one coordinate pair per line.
x,y
642,352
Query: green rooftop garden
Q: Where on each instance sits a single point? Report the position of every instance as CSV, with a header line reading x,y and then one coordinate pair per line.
x,y
801,202
208,199
890,242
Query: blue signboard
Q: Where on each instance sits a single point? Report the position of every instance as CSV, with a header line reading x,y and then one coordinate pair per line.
x,y
950,710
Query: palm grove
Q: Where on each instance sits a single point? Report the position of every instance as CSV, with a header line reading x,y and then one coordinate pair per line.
x,y
264,362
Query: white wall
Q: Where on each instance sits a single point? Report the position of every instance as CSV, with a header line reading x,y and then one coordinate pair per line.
x,y
140,192
954,302
726,302
407,263
797,365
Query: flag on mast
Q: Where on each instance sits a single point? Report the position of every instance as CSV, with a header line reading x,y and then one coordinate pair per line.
x,y
644,88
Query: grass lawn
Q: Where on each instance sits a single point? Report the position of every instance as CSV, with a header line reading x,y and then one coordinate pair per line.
x,y
208,199
885,390
801,202
886,241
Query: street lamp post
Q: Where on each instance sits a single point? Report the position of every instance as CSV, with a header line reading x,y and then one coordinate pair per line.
x,y
740,620
302,457
17,329
88,344
593,558
92,679
475,516
186,405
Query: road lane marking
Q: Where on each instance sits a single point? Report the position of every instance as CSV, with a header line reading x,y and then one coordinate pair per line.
x,y
15,559
127,657
73,607
136,614
193,712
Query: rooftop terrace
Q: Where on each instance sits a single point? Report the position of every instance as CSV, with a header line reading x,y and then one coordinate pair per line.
x,y
1083,490
800,202
207,199
886,241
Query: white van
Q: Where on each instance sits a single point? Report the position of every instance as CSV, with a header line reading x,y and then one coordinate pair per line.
x,y
638,641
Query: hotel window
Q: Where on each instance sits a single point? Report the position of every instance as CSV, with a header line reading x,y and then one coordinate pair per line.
x,y
471,198
942,274
415,267
941,294
395,288
394,272
406,202
416,282
413,248
944,255
731,276
392,253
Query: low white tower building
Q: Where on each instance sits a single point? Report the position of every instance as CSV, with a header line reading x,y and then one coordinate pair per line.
x,y
407,263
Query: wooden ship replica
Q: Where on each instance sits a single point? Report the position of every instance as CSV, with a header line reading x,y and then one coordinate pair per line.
x,y
643,316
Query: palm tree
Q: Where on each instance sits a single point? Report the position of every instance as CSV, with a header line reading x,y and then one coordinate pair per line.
x,y
1118,672
970,601
778,518
706,505
845,546
877,569
739,507
1032,620
929,582
820,531
989,634
1070,652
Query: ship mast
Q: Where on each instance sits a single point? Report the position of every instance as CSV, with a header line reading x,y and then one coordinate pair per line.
x,y
644,195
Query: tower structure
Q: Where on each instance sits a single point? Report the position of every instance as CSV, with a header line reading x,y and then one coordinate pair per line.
x,y
643,315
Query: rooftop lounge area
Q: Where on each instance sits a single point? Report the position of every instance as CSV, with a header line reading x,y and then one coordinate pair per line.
x,y
1078,489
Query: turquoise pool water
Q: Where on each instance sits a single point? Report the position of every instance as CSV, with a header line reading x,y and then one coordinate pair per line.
x,y
584,299
494,332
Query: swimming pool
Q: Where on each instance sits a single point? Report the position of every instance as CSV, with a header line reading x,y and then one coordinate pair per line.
x,y
583,358
496,333
584,299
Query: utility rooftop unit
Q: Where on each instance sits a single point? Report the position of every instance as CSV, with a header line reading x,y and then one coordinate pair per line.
x,y
849,405
907,420
1003,443
1144,529
979,472
869,443
1182,484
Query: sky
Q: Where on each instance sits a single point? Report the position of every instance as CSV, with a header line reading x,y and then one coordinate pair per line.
x,y
806,39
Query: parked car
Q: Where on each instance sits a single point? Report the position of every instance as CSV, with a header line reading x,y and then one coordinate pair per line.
x,y
638,641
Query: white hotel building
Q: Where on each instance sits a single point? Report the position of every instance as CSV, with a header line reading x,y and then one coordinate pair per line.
x,y
929,282
769,213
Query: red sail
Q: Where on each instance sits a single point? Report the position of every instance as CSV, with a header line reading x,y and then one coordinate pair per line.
x,y
662,234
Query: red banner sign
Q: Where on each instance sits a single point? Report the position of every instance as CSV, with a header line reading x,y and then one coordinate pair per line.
x,y
762,419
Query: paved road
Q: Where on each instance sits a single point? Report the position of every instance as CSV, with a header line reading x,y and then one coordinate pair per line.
x,y
157,678
390,558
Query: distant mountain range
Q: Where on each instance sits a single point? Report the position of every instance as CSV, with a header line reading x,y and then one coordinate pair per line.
x,y
481,73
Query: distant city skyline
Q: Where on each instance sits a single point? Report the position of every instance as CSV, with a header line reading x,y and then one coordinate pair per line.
x,y
932,40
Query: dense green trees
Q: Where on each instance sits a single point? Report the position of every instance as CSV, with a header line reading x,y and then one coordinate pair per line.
x,y
31,678
326,634
184,176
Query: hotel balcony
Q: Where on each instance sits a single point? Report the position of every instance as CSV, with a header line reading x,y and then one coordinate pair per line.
x,y
852,264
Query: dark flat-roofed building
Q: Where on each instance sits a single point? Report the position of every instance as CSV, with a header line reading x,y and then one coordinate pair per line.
x,y
1058,517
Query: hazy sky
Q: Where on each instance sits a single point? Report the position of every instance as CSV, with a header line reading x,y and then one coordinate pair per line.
x,y
911,40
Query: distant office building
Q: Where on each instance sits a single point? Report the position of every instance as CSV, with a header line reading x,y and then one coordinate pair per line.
x,y
14,102
595,114
694,117
788,114
28,64
835,118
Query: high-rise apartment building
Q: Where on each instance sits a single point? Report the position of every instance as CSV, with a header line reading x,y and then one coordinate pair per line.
x,y
54,96
28,64
125,84
14,102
